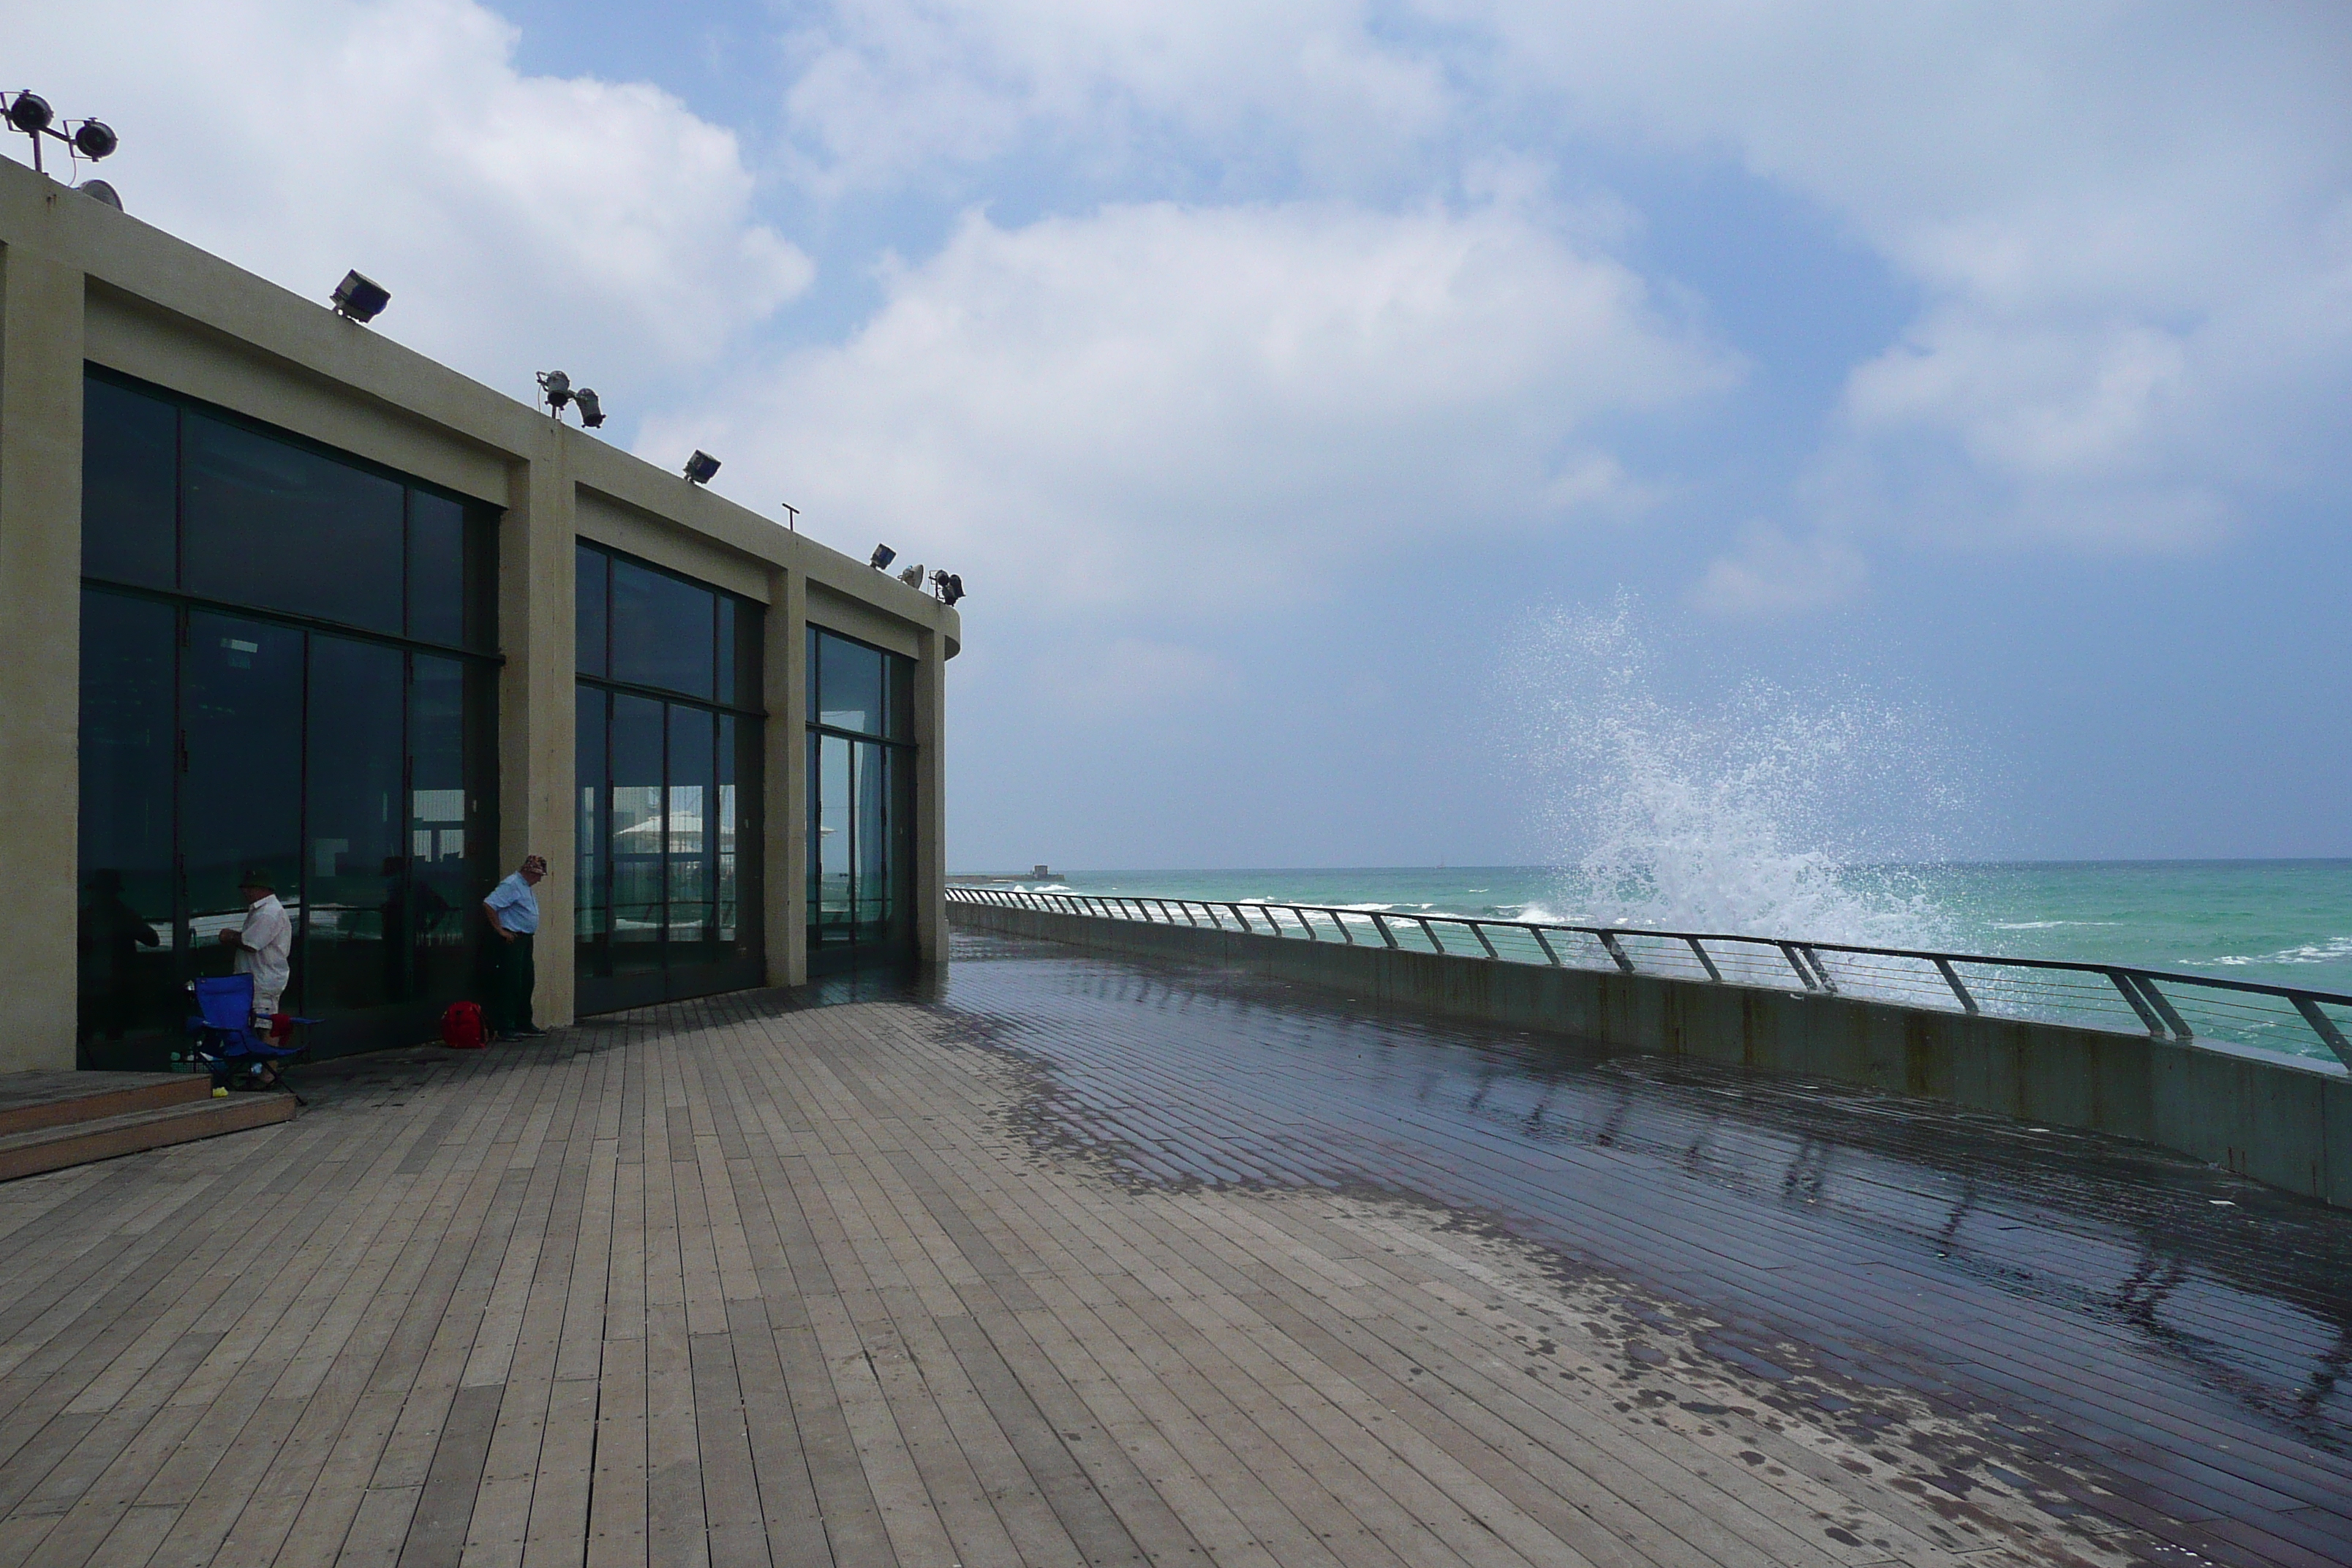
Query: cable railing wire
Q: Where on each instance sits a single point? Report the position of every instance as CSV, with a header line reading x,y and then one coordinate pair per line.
x,y
2164,1004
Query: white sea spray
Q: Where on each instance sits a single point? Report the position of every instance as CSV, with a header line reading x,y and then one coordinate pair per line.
x,y
1803,815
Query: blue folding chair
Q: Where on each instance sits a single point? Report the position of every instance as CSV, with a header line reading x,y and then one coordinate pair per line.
x,y
227,1042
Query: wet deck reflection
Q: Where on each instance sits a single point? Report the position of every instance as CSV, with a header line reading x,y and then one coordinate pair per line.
x,y
2100,1306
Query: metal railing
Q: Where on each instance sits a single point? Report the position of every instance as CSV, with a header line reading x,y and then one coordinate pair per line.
x,y
2164,1004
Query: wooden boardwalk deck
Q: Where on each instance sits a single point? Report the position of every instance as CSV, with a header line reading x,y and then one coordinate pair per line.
x,y
1082,1263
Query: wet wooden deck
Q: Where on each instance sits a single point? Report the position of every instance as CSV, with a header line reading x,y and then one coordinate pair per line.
x,y
1082,1262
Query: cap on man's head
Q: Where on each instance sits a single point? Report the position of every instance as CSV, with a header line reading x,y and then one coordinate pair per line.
x,y
257,877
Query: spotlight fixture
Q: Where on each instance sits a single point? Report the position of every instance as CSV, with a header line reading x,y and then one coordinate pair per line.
x,y
591,413
100,191
701,467
359,298
913,575
883,556
555,389
949,587
30,113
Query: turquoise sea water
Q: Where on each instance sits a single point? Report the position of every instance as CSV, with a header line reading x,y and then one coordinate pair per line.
x,y
2288,922
2282,922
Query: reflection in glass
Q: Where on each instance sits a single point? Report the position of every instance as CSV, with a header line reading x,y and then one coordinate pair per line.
x,y
437,569
662,631
355,889
240,803
870,765
130,485
637,833
829,829
123,927
588,616
850,685
723,836
446,869
693,872
592,917
267,523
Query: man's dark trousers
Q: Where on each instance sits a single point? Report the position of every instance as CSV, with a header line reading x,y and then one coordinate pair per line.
x,y
510,987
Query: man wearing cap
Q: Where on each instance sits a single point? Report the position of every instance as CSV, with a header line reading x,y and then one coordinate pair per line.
x,y
264,943
514,918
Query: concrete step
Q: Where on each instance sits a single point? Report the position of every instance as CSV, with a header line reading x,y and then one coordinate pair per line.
x,y
56,1146
35,1099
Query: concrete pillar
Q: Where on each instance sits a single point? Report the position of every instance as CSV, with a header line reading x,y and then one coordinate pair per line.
x,y
785,798
930,797
40,625
538,715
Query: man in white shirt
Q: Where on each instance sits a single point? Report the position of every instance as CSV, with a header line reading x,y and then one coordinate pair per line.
x,y
264,943
514,920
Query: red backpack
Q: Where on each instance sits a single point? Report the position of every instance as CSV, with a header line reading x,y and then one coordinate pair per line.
x,y
461,1027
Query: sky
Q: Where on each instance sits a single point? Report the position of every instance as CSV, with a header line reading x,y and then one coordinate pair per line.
x,y
1295,385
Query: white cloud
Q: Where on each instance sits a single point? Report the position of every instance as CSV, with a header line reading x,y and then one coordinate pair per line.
x,y
1771,576
2131,226
520,221
887,88
1210,406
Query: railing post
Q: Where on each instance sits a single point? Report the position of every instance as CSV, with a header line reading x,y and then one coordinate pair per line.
x,y
1339,919
1546,945
1952,979
1479,932
1380,924
2123,983
1242,918
1609,941
1429,932
2325,1027
1820,968
1789,952
1704,961
2156,999
1304,921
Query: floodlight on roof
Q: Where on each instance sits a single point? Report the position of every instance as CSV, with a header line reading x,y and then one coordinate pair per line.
x,y
882,557
591,413
949,587
359,298
701,467
98,190
556,388
30,113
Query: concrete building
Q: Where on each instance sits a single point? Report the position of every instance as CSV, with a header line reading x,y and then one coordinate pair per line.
x,y
275,592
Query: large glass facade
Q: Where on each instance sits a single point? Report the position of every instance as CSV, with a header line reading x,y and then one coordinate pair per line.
x,y
668,759
286,664
861,756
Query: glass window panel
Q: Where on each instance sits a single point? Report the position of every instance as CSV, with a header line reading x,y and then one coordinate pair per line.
x,y
268,524
357,898
730,662
241,803
130,485
870,766
661,631
850,686
830,830
813,664
638,834
723,829
901,671
693,852
448,860
437,569
592,567
591,919
123,927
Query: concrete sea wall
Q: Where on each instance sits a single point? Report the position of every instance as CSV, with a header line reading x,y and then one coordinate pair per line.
x,y
2276,1119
